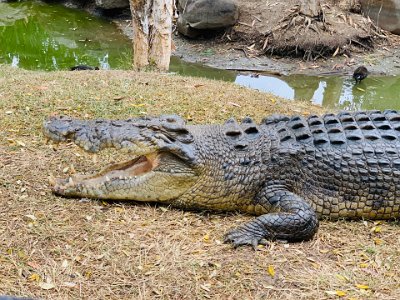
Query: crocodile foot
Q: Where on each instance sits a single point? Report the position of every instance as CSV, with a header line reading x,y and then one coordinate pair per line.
x,y
241,236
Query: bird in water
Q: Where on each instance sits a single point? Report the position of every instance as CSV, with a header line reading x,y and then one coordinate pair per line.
x,y
83,68
360,73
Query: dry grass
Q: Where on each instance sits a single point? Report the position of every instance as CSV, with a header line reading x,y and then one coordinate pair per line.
x,y
56,248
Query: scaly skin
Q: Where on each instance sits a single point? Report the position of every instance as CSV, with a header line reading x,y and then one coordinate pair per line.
x,y
289,171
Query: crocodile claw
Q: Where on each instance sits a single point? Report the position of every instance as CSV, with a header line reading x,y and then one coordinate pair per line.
x,y
240,236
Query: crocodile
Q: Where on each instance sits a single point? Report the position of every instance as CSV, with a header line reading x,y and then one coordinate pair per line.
x,y
288,171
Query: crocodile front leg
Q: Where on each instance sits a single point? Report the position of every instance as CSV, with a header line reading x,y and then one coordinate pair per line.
x,y
291,218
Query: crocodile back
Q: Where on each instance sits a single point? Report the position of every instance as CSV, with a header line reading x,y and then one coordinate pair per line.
x,y
344,165
339,130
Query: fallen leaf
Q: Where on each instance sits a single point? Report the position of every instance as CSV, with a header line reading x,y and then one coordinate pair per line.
x,y
336,293
332,293
206,287
69,284
32,217
271,271
22,144
46,285
341,277
234,104
362,286
376,229
21,254
206,238
64,264
33,264
340,293
118,98
34,277
99,257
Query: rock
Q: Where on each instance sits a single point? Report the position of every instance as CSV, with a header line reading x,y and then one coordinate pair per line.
x,y
385,13
110,4
197,16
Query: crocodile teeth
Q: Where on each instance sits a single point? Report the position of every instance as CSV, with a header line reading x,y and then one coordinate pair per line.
x,y
70,180
107,178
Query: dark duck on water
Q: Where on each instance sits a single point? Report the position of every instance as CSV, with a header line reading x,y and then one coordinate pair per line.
x,y
360,73
83,68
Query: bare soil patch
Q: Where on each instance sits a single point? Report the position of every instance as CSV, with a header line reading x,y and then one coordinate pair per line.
x,y
57,248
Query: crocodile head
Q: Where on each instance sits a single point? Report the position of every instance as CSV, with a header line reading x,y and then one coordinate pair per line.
x,y
163,164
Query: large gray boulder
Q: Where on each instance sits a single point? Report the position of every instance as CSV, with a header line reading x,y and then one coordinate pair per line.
x,y
386,13
197,16
109,4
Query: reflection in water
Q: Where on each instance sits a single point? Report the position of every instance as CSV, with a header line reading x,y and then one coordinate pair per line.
x,y
334,91
269,84
197,70
14,60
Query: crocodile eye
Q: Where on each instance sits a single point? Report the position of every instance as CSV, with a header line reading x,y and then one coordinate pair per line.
x,y
171,120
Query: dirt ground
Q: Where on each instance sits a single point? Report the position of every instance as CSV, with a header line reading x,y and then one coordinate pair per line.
x,y
57,248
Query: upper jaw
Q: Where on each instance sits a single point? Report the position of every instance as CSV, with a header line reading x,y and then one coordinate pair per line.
x,y
138,136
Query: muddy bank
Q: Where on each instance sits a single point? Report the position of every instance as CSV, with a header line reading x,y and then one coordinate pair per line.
x,y
382,61
215,53
360,42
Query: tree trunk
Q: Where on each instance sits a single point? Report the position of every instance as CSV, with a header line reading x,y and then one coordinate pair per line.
x,y
152,30
310,8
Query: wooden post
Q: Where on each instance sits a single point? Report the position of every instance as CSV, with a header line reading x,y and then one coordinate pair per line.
x,y
152,31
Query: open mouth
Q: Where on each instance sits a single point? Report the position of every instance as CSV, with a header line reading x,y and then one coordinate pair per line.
x,y
135,167
152,177
128,170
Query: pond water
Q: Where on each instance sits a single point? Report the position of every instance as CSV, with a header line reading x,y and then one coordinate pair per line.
x,y
34,35
340,92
